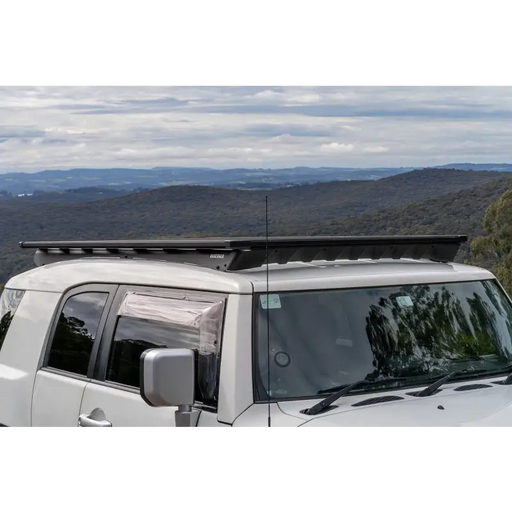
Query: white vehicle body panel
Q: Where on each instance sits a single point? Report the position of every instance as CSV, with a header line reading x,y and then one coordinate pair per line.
x,y
236,392
57,399
124,408
363,273
479,407
20,356
58,277
257,416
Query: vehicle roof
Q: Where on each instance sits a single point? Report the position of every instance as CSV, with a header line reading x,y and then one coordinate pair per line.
x,y
58,277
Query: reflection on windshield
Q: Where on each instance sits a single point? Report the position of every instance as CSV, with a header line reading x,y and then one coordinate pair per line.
x,y
323,339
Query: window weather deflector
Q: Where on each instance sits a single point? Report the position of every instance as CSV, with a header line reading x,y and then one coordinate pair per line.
x,y
239,253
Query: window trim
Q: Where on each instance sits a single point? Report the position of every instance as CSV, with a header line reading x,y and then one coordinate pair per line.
x,y
70,293
107,338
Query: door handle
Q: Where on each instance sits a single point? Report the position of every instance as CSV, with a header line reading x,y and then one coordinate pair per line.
x,y
96,418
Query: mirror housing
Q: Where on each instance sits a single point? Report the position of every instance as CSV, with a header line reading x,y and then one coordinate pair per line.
x,y
167,377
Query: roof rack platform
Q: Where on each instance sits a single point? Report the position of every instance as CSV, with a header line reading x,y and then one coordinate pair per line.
x,y
239,253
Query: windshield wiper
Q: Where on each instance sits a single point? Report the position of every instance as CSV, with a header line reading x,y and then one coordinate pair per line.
x,y
344,390
367,381
430,390
507,381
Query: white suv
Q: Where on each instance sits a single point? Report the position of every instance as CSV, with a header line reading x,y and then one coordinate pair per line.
x,y
314,331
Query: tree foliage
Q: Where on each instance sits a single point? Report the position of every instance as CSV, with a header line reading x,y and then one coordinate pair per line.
x,y
495,249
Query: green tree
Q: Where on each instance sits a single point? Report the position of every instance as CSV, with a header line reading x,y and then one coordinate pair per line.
x,y
495,249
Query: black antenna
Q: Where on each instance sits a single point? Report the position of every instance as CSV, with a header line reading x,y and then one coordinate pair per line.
x,y
268,310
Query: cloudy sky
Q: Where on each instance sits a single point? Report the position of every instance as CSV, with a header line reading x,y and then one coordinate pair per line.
x,y
63,127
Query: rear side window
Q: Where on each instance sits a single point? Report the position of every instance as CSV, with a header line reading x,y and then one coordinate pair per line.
x,y
76,332
9,302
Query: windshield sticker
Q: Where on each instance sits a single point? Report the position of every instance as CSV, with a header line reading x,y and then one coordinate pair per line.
x,y
405,301
274,301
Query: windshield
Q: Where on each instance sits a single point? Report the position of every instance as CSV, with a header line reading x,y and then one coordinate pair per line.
x,y
327,338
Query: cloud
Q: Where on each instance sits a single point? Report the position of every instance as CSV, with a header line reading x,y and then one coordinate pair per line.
x,y
295,130
59,127
375,149
336,147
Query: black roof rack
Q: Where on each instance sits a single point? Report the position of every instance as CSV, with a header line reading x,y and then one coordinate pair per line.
x,y
231,254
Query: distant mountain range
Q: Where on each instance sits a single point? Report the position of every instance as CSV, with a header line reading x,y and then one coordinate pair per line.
x,y
132,179
441,201
74,195
100,181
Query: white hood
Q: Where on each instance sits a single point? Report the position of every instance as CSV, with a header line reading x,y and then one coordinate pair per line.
x,y
481,407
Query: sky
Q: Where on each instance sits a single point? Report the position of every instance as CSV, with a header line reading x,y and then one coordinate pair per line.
x,y
255,127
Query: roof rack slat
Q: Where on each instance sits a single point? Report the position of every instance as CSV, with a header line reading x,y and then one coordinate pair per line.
x,y
231,254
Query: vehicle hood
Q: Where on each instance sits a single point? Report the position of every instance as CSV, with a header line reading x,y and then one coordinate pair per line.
x,y
481,407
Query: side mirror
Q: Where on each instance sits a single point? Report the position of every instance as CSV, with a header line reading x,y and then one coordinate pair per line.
x,y
168,380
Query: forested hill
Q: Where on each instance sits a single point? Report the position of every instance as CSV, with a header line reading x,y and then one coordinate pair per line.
x,y
382,206
454,214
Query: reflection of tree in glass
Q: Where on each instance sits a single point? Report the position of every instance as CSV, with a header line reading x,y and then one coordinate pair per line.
x,y
430,333
502,306
71,346
483,321
76,331
124,363
492,295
